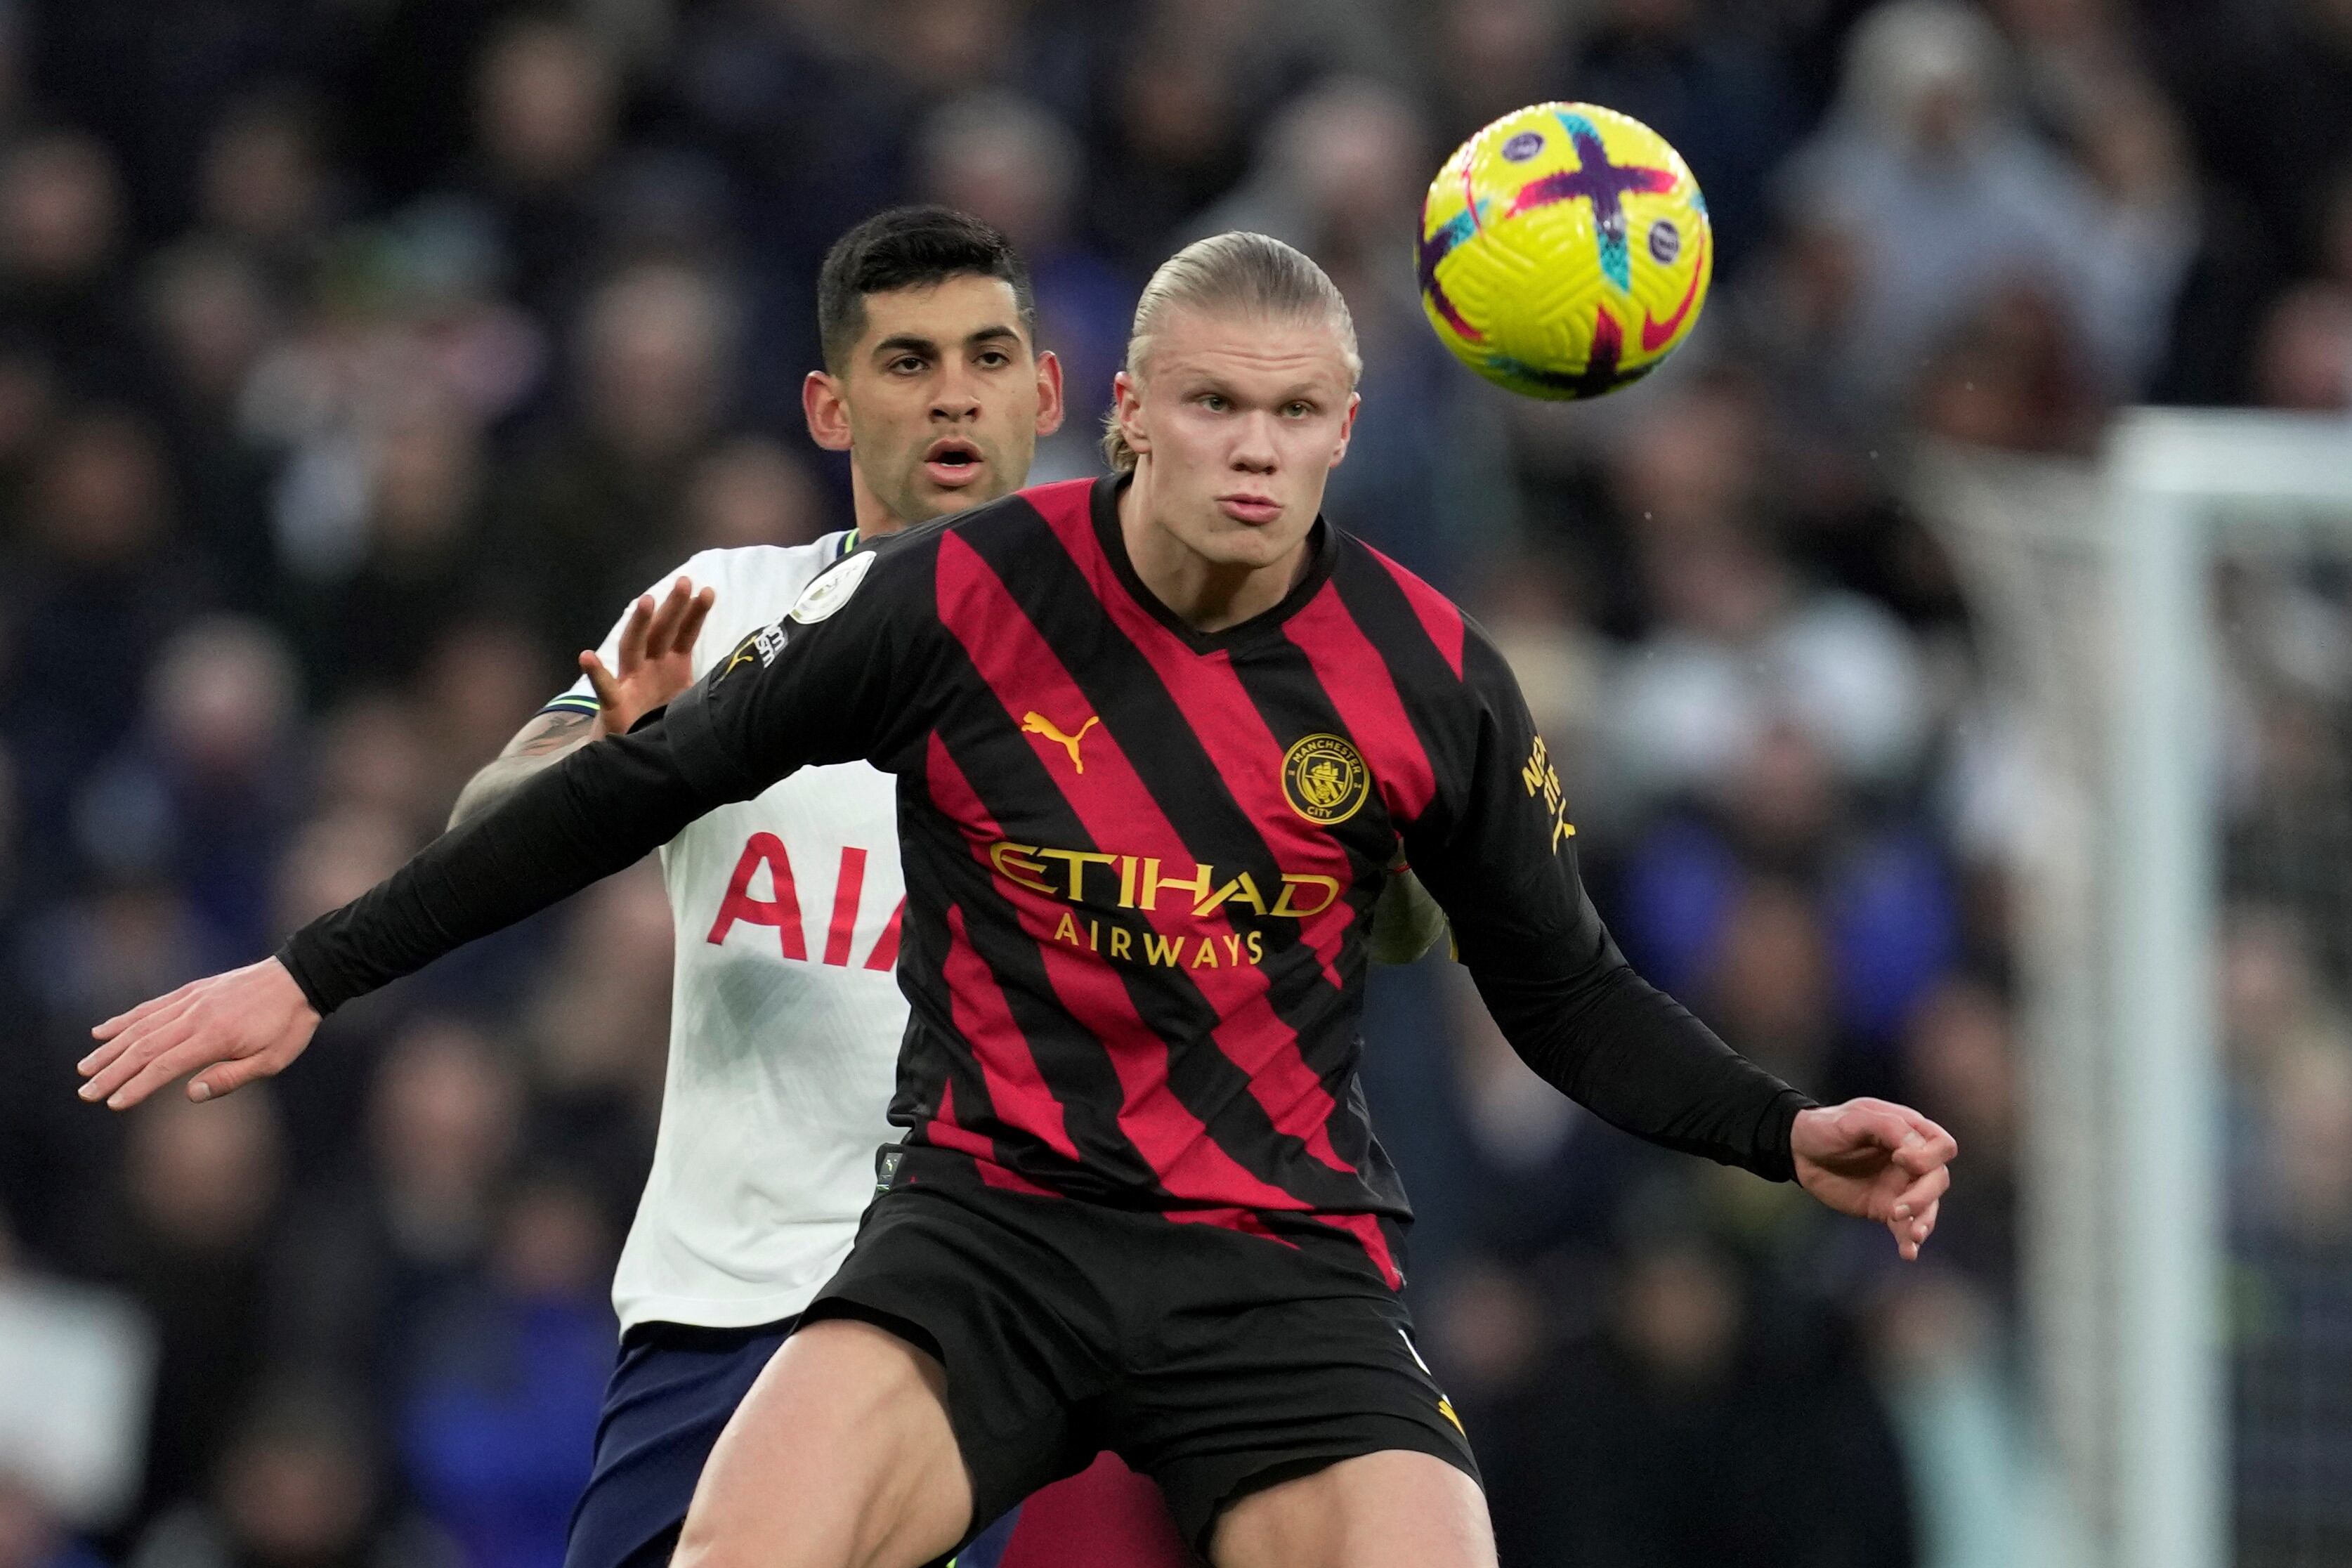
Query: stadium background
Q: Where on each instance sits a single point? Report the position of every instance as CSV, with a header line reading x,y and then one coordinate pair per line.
x,y
360,358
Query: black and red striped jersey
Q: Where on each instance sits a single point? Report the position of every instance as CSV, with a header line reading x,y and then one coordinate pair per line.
x,y
1141,859
1141,864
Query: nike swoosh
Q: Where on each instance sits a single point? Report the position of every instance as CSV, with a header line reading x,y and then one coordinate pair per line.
x,y
1655,336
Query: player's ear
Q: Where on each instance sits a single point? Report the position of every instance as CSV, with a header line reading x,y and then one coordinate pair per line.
x,y
1346,427
827,414
1127,407
1049,392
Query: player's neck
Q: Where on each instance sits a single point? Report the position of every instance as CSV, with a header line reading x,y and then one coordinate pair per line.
x,y
874,519
1209,595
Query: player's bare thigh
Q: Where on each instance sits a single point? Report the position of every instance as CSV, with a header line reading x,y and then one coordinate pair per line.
x,y
840,1457
1392,1510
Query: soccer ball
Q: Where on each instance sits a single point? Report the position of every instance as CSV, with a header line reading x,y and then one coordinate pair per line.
x,y
1564,251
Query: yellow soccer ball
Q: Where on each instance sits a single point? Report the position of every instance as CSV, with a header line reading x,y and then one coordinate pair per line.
x,y
1564,251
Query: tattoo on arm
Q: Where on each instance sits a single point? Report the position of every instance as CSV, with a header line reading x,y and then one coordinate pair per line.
x,y
538,744
551,735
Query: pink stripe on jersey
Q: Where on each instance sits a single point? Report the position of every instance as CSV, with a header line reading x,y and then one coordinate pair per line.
x,y
1117,808
1366,1229
1007,1067
1356,677
1440,617
944,1130
1189,1164
1248,755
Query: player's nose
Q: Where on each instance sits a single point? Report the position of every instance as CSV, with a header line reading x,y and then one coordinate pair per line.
x,y
955,395
1254,450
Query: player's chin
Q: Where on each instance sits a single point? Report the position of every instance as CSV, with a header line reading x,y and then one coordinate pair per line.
x,y
1232,544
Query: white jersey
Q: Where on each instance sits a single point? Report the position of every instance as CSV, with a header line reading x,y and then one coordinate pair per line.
x,y
785,1014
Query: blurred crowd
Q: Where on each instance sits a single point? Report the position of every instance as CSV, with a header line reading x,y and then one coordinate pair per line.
x,y
358,359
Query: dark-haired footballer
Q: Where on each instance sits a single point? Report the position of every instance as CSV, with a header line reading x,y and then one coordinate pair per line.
x,y
1157,740
785,1016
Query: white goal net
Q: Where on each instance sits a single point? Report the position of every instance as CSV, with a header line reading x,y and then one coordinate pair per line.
x,y
2169,633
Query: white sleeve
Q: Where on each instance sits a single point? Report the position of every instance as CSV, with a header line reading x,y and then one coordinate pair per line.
x,y
580,697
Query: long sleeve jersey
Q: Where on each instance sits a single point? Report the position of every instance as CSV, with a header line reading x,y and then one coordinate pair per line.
x,y
1140,863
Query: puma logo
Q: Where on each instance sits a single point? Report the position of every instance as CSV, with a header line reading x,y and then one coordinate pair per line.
x,y
1035,723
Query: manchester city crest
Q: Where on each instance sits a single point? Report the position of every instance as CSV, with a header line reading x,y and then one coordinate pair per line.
x,y
1325,780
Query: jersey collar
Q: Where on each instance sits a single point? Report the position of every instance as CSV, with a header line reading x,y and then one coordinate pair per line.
x,y
1323,555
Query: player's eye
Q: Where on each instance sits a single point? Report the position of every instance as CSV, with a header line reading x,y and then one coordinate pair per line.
x,y
1213,403
1298,410
907,364
994,359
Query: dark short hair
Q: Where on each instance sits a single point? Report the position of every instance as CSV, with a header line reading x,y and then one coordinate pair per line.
x,y
910,248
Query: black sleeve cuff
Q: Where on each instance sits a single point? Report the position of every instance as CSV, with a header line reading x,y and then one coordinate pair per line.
x,y
1775,1159
290,958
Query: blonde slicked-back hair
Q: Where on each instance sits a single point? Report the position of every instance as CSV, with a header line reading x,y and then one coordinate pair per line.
x,y
1241,274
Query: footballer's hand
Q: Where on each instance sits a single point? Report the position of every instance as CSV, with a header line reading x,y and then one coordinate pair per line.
x,y
228,1030
657,655
1877,1162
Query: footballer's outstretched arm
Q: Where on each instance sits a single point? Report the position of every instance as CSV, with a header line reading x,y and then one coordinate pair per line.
x,y
1501,858
820,692
594,812
652,661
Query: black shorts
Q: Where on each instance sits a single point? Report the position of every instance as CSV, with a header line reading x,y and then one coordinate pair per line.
x,y
1214,1360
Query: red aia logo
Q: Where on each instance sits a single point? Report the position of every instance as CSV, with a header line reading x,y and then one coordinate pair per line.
x,y
783,910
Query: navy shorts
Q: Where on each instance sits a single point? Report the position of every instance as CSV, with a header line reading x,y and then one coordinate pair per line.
x,y
671,1394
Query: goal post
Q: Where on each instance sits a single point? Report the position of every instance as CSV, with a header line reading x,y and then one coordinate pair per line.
x,y
2094,586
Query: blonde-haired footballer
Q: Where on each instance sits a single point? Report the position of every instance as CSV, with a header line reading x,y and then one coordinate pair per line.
x,y
786,1016
1137,1201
